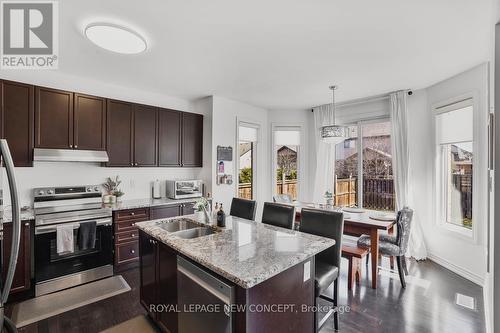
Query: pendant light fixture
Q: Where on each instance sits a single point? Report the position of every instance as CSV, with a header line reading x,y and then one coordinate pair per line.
x,y
333,133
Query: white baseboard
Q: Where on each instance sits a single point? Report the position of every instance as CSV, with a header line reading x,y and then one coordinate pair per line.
x,y
488,302
473,277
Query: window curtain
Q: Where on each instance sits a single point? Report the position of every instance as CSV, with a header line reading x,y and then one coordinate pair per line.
x,y
323,180
401,165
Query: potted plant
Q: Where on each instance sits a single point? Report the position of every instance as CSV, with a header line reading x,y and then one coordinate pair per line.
x,y
199,206
111,186
329,198
118,194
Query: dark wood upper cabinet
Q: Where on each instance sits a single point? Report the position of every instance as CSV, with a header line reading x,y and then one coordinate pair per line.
x,y
17,120
89,122
53,118
120,133
145,135
169,137
192,140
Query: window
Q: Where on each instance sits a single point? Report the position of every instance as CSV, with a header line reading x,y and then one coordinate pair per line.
x,y
346,170
371,175
286,160
247,142
454,139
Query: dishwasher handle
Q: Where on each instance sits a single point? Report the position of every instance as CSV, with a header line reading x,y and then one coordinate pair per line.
x,y
207,281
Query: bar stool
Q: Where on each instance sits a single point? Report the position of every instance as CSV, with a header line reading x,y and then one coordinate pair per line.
x,y
279,215
328,224
243,208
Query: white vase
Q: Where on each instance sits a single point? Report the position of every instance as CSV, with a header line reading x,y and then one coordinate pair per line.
x,y
106,198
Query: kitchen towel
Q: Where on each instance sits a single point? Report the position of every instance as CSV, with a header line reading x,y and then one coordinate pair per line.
x,y
86,235
65,239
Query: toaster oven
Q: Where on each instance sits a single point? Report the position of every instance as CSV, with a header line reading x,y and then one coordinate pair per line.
x,y
181,189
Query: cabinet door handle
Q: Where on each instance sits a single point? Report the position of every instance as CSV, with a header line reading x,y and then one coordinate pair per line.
x,y
133,224
71,146
76,146
132,213
27,224
133,235
132,251
132,164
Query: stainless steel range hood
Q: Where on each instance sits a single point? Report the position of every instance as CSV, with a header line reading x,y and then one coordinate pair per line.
x,y
69,155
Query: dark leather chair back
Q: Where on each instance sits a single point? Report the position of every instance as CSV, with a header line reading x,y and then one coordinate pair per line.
x,y
403,222
279,215
243,208
328,224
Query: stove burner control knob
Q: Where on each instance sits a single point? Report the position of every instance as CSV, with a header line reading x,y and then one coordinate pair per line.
x,y
50,192
89,189
41,192
96,189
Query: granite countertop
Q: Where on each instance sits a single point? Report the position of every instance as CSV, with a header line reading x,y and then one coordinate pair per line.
x,y
245,252
141,203
29,213
26,215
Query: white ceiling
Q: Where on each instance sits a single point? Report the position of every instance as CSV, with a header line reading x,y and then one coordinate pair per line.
x,y
280,54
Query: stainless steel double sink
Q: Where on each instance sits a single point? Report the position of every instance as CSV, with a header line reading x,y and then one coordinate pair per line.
x,y
185,228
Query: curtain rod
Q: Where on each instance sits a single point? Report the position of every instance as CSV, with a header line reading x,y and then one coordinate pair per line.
x,y
366,99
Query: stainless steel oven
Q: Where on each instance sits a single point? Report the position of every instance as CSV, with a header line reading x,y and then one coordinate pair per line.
x,y
76,209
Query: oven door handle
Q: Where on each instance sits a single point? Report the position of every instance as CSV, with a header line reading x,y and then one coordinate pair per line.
x,y
53,228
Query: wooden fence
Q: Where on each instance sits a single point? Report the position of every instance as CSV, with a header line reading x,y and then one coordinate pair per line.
x,y
378,192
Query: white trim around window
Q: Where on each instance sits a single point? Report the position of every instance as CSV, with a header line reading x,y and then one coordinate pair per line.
x,y
479,168
301,156
255,159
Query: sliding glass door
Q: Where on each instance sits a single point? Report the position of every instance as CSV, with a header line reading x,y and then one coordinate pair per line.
x,y
363,167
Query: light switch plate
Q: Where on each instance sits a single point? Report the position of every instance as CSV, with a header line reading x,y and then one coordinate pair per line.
x,y
307,271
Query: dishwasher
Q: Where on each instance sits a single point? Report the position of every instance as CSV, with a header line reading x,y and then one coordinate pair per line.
x,y
204,300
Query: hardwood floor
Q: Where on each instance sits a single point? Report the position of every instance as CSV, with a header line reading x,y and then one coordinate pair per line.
x,y
94,317
427,305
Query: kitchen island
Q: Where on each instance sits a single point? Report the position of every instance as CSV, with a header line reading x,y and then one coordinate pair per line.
x,y
256,277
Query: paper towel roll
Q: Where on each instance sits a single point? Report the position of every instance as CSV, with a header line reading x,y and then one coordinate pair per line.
x,y
156,189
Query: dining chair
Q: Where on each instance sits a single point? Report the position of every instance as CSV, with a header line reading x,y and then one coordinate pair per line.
x,y
394,246
279,215
328,224
243,208
283,198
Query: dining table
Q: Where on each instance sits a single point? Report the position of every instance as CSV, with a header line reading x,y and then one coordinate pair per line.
x,y
359,222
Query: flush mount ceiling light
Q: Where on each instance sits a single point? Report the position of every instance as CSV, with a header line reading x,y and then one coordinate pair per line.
x,y
333,133
115,38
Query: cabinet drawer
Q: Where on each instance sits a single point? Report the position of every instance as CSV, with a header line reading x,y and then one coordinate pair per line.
x,y
140,214
127,252
126,236
127,225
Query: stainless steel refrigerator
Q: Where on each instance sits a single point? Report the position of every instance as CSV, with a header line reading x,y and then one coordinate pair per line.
x,y
6,324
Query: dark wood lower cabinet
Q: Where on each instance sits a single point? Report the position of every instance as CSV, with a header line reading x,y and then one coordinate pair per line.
x,y
158,282
172,210
127,237
23,273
